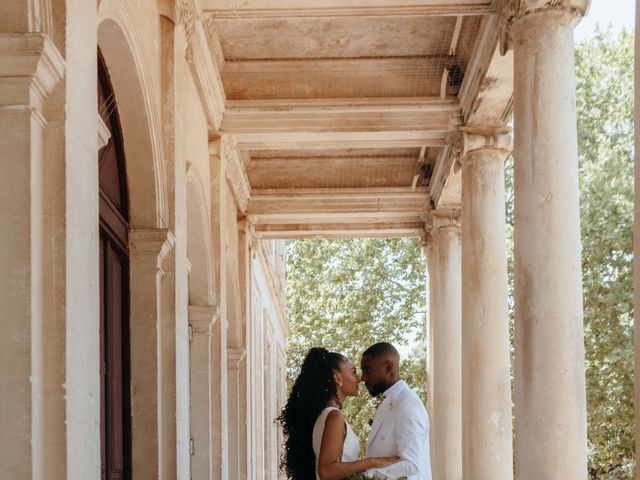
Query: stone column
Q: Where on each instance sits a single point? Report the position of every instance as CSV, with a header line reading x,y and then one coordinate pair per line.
x,y
445,321
201,319
551,420
486,374
30,69
148,251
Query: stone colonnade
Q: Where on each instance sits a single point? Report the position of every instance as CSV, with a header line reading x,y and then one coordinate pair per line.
x,y
550,397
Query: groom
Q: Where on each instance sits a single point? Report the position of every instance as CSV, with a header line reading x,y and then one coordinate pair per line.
x,y
401,424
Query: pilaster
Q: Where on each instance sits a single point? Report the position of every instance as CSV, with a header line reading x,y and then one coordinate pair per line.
x,y
149,253
202,319
219,385
30,69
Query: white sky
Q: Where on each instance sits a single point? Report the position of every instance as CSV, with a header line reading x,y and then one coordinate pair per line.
x,y
618,13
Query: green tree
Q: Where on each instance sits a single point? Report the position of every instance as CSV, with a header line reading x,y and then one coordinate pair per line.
x,y
605,79
345,295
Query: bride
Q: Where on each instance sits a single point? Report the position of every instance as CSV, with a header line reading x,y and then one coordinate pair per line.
x,y
319,442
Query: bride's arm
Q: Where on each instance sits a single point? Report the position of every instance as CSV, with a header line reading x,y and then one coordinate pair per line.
x,y
330,464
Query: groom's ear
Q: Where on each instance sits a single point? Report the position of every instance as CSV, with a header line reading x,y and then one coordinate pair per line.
x,y
390,366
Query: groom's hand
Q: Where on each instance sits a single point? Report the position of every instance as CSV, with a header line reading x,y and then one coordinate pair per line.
x,y
381,462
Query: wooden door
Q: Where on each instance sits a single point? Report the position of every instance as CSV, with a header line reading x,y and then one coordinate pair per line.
x,y
114,292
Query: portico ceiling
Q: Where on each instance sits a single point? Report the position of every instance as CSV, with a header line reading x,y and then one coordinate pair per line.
x,y
343,111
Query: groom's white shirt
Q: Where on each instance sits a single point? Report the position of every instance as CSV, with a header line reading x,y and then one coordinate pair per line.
x,y
401,427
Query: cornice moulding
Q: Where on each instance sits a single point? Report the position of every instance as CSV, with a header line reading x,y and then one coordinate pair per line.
x,y
236,174
203,317
33,57
153,241
205,71
234,357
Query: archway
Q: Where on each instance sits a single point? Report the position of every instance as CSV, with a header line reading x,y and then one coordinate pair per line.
x,y
151,286
115,425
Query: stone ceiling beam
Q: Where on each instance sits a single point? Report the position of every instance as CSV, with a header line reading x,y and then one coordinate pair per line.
x,y
334,206
385,229
341,140
339,8
382,114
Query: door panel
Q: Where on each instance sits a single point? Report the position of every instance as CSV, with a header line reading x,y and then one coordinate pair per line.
x,y
114,293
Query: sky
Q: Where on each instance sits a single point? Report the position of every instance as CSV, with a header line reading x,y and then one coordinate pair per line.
x,y
618,13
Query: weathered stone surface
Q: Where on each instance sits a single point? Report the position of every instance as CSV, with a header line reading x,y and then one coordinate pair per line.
x,y
486,366
550,403
445,359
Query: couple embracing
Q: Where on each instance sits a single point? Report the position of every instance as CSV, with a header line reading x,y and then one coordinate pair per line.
x,y
320,443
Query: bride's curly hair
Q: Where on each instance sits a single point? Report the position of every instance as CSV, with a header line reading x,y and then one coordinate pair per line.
x,y
311,391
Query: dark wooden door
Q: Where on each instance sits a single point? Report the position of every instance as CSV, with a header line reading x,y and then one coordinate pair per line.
x,y
114,292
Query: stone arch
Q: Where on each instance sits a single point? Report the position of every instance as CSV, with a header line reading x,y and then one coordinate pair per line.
x,y
122,48
199,247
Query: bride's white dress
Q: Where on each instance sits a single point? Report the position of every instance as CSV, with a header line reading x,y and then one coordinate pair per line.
x,y
351,448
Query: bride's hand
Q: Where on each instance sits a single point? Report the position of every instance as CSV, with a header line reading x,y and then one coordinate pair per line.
x,y
380,462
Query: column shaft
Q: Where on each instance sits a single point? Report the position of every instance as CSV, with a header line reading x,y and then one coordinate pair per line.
x,y
549,367
445,321
486,387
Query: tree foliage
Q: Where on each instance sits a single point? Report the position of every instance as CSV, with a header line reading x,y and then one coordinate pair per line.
x,y
345,295
605,79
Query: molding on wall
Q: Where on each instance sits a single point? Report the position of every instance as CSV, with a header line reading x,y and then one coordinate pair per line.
x,y
236,174
204,69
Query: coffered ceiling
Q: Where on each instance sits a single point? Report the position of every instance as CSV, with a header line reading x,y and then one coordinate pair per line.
x,y
343,110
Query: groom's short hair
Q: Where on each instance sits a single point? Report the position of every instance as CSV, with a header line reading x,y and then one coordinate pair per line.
x,y
381,349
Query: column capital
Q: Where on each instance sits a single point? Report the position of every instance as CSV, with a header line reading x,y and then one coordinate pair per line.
x,y
30,68
154,243
203,317
465,142
425,238
441,220
234,357
514,10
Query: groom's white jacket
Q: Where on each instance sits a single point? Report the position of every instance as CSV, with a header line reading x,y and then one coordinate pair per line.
x,y
401,427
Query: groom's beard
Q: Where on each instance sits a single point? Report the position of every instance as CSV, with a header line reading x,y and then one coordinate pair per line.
x,y
378,389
